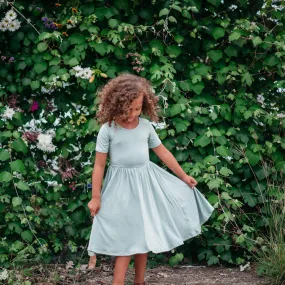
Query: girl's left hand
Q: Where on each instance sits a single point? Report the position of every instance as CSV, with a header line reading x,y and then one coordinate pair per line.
x,y
189,180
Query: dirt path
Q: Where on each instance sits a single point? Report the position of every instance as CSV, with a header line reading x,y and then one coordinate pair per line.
x,y
163,275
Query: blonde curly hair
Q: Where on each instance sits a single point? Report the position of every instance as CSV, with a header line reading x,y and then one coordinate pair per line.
x,y
117,95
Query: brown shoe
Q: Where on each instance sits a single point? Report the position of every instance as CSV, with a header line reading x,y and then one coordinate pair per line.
x,y
140,283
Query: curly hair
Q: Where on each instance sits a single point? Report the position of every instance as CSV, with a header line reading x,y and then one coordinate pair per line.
x,y
117,95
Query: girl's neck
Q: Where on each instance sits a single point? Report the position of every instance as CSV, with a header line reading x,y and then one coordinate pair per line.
x,y
126,125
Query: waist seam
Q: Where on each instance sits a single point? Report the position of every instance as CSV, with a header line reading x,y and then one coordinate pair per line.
x,y
129,167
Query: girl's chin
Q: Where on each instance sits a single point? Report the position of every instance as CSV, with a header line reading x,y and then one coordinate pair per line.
x,y
129,120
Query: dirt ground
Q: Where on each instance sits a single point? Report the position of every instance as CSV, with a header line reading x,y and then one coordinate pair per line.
x,y
183,275
161,275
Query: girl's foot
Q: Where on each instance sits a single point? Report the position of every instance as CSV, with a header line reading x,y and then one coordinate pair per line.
x,y
92,262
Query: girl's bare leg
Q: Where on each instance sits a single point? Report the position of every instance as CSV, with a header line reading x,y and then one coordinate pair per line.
x,y
140,265
121,267
92,262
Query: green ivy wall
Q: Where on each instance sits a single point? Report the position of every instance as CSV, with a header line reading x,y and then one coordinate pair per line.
x,y
218,69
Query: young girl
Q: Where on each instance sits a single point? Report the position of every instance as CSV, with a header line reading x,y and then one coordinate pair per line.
x,y
141,207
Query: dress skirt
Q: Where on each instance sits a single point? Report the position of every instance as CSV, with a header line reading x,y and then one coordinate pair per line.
x,y
145,208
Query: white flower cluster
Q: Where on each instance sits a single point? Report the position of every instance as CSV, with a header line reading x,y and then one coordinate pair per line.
x,y
9,22
45,141
260,98
159,126
73,21
8,113
84,73
233,7
4,274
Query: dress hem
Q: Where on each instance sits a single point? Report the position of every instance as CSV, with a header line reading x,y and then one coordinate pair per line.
x,y
144,251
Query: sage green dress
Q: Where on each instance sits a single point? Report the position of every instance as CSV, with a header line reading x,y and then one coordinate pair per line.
x,y
143,207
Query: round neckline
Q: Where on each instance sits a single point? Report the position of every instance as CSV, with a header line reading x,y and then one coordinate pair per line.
x,y
129,129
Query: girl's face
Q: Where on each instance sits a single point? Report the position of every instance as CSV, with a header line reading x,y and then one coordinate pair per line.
x,y
134,110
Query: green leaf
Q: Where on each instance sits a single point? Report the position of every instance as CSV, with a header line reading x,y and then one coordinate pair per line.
x,y
76,39
185,86
177,8
163,12
90,147
42,46
29,209
198,87
19,146
5,176
247,78
225,171
186,14
26,81
92,126
256,41
16,201
35,84
17,246
218,33
202,69
202,141
22,186
215,183
17,166
213,259
44,35
180,124
40,67
215,55
173,51
196,78
172,19
234,36
101,48
73,62
271,60
175,109
231,51
122,4
247,114
54,61
179,39
78,216
4,154
27,236
176,259
252,157
211,160
113,23
215,2
223,151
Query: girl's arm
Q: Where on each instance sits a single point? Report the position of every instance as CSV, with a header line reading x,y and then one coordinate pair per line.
x,y
167,157
98,173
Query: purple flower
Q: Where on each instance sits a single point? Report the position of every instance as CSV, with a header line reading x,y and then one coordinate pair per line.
x,y
89,185
11,59
49,23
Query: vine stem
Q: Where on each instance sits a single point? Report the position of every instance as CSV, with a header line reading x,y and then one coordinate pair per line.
x,y
28,21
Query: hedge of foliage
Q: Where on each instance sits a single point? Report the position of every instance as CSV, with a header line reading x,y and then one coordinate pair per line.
x,y
218,68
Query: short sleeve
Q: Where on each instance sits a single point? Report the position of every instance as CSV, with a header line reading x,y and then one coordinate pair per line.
x,y
153,139
103,139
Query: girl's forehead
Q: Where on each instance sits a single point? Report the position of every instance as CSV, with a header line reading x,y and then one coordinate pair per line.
x,y
137,101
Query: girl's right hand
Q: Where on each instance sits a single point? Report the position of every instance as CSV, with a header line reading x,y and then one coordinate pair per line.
x,y
94,206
